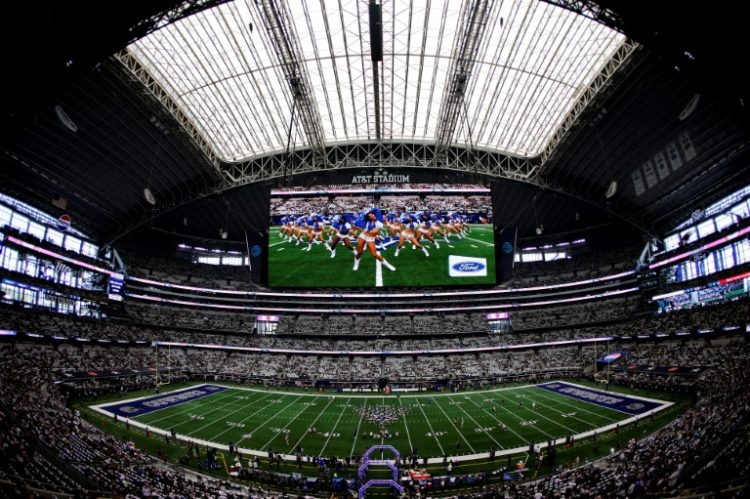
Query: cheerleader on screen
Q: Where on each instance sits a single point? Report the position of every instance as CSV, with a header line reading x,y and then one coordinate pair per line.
x,y
343,232
370,232
426,231
409,230
317,229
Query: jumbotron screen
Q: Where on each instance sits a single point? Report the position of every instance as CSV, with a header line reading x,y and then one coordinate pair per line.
x,y
406,236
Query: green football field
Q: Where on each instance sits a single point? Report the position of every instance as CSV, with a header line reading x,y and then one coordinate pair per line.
x,y
346,424
290,266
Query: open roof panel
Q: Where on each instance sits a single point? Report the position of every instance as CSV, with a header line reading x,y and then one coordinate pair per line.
x,y
222,68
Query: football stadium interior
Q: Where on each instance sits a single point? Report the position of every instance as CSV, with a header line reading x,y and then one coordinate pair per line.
x,y
430,248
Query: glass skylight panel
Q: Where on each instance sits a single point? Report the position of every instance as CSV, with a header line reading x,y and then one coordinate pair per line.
x,y
222,69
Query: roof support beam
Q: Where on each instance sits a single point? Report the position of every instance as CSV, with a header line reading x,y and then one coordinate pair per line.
x,y
151,87
399,156
171,15
465,51
592,9
363,155
614,71
382,154
376,57
288,51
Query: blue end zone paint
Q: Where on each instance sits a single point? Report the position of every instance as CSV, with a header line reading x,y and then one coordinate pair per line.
x,y
140,407
612,400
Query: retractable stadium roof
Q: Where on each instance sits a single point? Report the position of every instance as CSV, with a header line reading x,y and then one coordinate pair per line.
x,y
197,99
499,75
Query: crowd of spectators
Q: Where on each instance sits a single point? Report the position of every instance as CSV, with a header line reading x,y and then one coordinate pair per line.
x,y
613,309
571,314
581,266
425,187
374,333
67,361
185,271
46,445
203,320
158,322
431,203
381,325
698,440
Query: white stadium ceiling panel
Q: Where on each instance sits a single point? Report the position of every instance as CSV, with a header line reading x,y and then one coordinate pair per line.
x,y
221,67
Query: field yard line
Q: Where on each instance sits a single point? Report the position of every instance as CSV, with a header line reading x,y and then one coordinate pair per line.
x,y
242,420
460,433
286,425
378,274
276,244
334,426
478,241
495,418
555,422
408,436
562,401
519,417
351,452
228,394
419,404
574,407
367,394
382,437
388,243
214,421
479,426
281,249
294,447
272,418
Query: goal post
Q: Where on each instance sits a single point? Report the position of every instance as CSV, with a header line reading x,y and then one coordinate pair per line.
x,y
163,377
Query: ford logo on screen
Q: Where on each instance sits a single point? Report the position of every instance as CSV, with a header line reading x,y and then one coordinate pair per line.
x,y
465,266
468,267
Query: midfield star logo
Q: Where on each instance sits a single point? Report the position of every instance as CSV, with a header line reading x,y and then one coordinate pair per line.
x,y
381,414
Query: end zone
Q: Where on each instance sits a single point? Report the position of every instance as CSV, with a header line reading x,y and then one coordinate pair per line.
x,y
144,405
